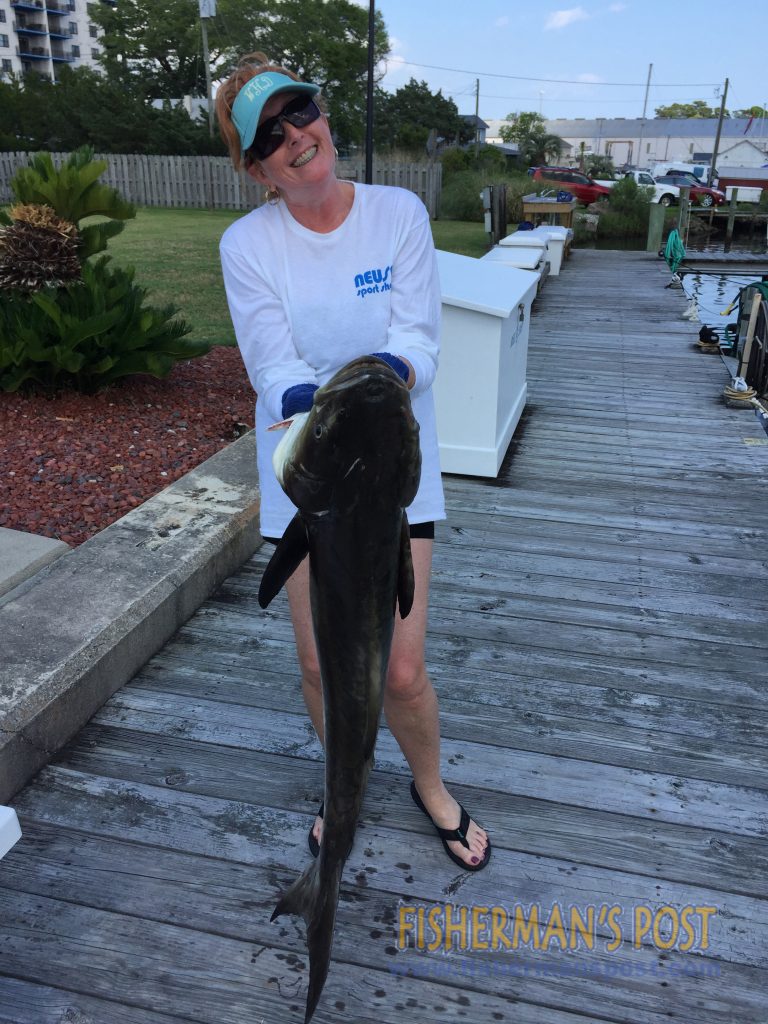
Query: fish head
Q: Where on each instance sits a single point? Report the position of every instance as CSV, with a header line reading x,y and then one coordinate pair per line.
x,y
360,440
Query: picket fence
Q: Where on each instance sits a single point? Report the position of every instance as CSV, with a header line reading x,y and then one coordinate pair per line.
x,y
209,182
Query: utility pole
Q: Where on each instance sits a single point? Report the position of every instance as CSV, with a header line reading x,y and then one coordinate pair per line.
x,y
369,97
207,10
717,137
477,116
642,123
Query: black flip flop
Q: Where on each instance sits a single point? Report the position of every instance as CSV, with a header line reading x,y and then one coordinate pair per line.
x,y
314,846
453,835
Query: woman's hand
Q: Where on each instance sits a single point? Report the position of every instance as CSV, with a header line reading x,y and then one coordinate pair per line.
x,y
298,399
401,366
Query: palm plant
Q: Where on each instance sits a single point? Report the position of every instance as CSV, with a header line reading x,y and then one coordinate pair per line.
x,y
64,319
74,193
542,148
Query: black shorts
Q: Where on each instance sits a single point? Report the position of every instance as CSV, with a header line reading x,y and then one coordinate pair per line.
x,y
418,531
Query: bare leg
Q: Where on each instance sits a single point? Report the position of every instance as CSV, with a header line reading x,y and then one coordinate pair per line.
x,y
410,702
410,705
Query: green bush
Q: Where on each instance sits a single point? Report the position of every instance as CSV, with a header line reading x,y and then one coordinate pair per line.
x,y
89,334
460,199
73,192
627,211
65,320
599,166
489,158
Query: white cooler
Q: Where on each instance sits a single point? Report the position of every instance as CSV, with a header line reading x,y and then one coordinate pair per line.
x,y
10,833
558,241
532,260
481,388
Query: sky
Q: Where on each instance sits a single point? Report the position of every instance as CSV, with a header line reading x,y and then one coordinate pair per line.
x,y
579,60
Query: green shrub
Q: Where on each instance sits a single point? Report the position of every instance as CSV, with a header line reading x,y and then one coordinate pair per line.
x,y
89,334
460,199
74,193
488,159
627,211
599,166
65,320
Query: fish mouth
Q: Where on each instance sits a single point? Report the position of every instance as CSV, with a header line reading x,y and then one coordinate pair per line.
x,y
350,375
305,157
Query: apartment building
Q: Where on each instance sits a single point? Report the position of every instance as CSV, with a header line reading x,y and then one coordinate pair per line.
x,y
41,36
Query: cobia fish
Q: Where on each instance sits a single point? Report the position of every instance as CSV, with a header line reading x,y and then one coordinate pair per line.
x,y
351,466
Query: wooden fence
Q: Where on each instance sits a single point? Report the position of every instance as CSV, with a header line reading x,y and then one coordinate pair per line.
x,y
210,182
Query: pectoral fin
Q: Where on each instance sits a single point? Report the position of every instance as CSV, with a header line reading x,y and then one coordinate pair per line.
x,y
405,579
289,554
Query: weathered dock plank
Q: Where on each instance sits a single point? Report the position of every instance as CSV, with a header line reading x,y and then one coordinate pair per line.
x,y
598,639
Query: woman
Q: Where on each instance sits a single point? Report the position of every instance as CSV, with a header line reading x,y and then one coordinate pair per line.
x,y
324,272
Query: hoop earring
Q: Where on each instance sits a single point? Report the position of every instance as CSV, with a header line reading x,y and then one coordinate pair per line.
x,y
272,196
336,152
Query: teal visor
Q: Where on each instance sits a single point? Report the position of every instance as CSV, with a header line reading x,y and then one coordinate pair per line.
x,y
249,102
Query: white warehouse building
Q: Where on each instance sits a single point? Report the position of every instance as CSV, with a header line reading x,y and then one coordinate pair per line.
x,y
41,36
646,142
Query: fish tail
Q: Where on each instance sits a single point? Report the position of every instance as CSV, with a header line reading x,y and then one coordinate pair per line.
x,y
316,902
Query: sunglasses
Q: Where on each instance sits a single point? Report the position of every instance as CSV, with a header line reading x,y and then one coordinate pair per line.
x,y
270,134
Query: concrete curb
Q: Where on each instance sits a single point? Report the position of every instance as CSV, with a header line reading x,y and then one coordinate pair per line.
x,y
83,626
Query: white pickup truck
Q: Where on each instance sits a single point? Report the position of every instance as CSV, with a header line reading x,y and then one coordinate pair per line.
x,y
664,194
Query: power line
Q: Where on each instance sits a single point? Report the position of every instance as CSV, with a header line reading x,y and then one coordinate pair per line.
x,y
560,81
550,99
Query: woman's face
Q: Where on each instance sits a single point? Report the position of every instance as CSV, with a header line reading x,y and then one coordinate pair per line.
x,y
305,160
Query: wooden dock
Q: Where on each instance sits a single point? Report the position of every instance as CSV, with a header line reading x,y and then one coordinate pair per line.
x,y
598,639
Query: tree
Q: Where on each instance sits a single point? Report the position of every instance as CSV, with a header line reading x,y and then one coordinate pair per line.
x,y
407,117
755,111
599,166
324,41
536,144
86,108
698,108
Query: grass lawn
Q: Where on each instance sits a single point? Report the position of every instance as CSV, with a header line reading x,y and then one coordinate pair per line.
x,y
176,255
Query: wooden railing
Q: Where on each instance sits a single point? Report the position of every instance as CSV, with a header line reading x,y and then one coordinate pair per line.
x,y
754,360
210,182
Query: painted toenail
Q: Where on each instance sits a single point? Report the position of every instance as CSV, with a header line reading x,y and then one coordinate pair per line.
x,y
475,860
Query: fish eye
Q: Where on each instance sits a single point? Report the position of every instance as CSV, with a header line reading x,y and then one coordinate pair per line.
x,y
318,430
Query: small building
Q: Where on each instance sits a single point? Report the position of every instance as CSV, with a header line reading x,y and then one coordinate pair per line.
x,y
477,125
742,154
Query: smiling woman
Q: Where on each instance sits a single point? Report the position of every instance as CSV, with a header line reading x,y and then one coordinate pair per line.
x,y
324,273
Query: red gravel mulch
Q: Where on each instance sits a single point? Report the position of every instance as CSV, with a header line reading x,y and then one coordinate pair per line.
x,y
71,464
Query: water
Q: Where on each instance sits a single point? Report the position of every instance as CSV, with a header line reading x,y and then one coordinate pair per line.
x,y
713,292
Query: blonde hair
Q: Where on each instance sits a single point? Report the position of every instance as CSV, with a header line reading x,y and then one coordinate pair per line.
x,y
249,66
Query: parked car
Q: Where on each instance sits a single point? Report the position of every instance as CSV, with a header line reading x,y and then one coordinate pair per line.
x,y
664,194
701,194
584,189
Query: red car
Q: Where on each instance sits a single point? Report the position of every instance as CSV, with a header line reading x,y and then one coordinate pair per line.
x,y
566,179
701,194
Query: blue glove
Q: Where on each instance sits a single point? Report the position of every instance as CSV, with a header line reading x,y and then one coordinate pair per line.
x,y
298,398
395,363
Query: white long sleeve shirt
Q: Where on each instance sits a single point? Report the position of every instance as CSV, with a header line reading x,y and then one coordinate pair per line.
x,y
304,304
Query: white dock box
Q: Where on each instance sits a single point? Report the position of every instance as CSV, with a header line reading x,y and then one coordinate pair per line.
x,y
481,388
10,832
558,241
523,257
524,239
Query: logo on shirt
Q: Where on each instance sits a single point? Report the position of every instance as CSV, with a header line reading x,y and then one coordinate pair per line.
x,y
372,281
